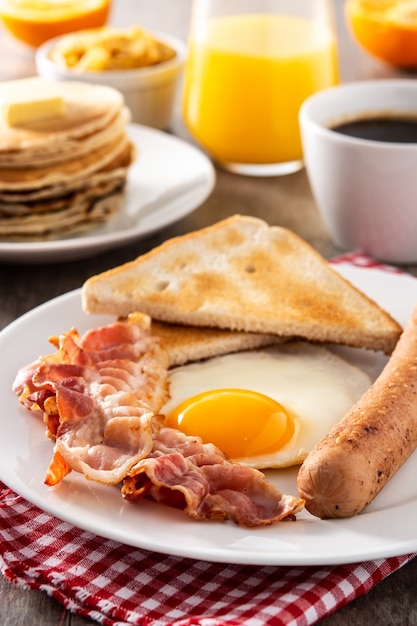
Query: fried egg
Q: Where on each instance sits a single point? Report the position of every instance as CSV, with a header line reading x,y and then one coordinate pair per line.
x,y
265,408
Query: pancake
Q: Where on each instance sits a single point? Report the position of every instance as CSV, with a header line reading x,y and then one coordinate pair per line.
x,y
79,215
48,205
46,154
112,170
88,108
68,170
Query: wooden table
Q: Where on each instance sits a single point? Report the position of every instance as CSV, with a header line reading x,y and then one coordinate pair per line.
x,y
286,201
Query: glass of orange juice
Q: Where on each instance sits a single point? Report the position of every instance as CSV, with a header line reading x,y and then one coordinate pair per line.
x,y
251,63
36,21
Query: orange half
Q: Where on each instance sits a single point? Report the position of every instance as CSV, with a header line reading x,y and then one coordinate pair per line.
x,y
387,29
35,21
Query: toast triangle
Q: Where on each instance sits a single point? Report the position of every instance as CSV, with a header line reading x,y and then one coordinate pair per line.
x,y
195,343
242,274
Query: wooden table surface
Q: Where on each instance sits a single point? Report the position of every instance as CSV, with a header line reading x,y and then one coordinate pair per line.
x,y
286,201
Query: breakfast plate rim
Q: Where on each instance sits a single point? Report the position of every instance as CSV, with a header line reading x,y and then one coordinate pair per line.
x,y
381,531
166,203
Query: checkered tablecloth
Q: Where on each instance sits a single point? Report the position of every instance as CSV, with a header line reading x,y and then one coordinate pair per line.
x,y
115,584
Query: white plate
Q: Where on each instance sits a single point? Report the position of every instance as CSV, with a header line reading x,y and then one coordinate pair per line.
x,y
387,528
169,179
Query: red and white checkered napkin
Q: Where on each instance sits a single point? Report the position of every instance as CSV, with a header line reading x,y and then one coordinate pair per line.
x,y
115,584
360,260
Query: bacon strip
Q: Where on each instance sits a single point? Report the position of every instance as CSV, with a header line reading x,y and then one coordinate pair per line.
x,y
100,395
106,387
57,470
184,473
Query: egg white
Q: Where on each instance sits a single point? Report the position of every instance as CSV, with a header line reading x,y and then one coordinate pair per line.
x,y
314,384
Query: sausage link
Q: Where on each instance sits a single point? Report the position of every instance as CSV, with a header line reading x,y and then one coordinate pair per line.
x,y
350,465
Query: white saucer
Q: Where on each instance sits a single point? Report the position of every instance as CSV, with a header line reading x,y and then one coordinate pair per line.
x,y
168,180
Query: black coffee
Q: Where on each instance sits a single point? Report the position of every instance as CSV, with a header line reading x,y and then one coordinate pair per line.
x,y
389,129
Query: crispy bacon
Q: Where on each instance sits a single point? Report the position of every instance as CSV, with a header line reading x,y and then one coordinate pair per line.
x,y
183,472
100,395
57,470
104,388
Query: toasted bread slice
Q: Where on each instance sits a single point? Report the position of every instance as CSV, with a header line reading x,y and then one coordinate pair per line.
x,y
241,274
192,343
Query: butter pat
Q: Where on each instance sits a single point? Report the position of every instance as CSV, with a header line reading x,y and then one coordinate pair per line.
x,y
29,100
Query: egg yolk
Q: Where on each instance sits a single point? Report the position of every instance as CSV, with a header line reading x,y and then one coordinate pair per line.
x,y
240,422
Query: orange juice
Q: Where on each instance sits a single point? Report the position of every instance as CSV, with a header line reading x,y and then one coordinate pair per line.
x,y
245,80
35,21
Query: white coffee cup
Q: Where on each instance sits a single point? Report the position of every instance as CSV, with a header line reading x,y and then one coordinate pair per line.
x,y
365,190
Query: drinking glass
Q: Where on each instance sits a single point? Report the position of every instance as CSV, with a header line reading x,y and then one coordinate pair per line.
x,y
251,64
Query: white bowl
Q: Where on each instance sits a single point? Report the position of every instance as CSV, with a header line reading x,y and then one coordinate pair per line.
x,y
149,92
365,190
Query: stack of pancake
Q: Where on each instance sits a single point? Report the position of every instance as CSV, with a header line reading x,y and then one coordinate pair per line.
x,y
65,172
